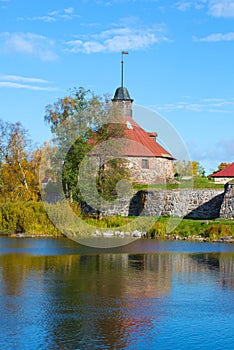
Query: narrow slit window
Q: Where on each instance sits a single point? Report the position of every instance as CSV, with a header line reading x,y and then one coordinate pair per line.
x,y
145,164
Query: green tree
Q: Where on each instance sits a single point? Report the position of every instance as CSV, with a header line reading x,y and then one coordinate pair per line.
x,y
79,122
222,166
183,168
17,173
197,169
189,168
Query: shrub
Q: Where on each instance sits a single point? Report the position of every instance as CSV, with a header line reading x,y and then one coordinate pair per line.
x,y
25,217
218,230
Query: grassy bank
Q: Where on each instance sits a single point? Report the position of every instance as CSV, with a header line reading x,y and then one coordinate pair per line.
x,y
196,183
186,229
31,218
192,229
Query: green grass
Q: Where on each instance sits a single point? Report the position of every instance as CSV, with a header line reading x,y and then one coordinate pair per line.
x,y
196,183
208,229
203,182
108,221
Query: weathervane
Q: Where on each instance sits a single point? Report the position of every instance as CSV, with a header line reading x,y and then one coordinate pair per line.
x,y
122,67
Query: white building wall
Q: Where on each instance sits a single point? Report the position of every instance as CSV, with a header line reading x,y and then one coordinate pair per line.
x,y
222,180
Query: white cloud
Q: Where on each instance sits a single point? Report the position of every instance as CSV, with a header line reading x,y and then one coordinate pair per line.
x,y
69,10
216,37
214,8
183,5
117,39
226,147
221,8
23,79
24,86
4,4
188,5
19,82
119,2
208,105
28,43
212,155
53,16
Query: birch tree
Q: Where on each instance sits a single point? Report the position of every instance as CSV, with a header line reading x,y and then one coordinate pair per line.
x,y
17,176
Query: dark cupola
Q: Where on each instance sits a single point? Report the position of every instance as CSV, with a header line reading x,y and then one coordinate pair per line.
x,y
122,96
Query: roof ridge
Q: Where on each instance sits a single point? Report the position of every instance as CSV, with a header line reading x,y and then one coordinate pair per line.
x,y
227,172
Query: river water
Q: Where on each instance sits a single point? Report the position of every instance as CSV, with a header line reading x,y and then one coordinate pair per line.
x,y
57,294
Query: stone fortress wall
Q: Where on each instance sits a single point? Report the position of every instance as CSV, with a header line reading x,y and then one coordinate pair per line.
x,y
189,203
227,207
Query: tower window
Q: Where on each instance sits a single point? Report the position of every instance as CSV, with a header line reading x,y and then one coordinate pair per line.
x,y
145,164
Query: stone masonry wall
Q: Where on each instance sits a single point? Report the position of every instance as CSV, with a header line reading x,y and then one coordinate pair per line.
x,y
227,207
159,171
197,204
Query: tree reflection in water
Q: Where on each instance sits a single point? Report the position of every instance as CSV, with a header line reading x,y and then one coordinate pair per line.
x,y
102,301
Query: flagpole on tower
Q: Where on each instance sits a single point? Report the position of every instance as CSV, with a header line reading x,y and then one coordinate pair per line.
x,y
122,68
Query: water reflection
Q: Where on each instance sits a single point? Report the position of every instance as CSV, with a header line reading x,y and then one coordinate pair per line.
x,y
103,301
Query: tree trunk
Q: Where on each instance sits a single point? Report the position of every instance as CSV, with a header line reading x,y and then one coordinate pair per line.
x,y
24,176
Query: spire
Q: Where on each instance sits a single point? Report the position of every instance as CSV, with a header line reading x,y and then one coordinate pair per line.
x,y
122,96
122,68
121,93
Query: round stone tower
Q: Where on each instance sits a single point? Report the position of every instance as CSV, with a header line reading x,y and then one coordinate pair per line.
x,y
124,101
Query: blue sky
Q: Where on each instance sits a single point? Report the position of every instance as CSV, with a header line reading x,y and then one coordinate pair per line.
x,y
180,63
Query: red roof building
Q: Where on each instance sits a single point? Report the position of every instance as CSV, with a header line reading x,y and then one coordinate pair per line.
x,y
148,161
224,175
